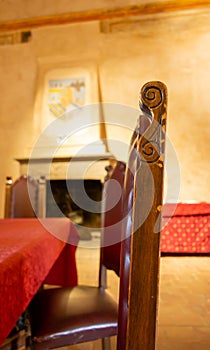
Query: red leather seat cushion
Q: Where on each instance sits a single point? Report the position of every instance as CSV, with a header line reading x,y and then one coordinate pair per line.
x,y
56,313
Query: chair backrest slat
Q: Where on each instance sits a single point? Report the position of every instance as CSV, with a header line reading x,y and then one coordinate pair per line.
x,y
21,199
24,196
112,199
142,212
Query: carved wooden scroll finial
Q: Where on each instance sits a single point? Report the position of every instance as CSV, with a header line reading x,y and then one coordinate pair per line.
x,y
153,99
146,219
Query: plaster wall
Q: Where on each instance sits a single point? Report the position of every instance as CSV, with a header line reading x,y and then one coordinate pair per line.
x,y
173,48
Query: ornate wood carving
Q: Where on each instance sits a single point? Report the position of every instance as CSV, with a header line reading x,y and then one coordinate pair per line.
x,y
153,102
146,222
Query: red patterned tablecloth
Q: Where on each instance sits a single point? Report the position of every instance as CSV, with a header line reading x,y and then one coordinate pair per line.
x,y
30,256
186,228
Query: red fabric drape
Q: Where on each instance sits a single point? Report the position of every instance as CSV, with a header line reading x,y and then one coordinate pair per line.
x,y
186,228
27,253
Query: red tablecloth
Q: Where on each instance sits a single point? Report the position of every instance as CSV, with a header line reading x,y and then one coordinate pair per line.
x,y
186,228
27,254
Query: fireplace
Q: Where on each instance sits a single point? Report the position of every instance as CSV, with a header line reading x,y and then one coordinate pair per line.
x,y
76,199
71,148
64,190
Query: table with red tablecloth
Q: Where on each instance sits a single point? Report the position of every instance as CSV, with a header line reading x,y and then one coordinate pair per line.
x,y
186,229
33,252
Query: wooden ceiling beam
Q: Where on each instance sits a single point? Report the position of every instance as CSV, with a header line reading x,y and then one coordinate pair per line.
x,y
102,14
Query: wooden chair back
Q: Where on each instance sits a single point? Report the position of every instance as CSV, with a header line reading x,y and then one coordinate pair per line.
x,y
25,197
140,249
132,225
111,218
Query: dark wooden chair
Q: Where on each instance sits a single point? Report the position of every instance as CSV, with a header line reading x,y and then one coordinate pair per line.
x,y
24,198
67,316
140,250
92,312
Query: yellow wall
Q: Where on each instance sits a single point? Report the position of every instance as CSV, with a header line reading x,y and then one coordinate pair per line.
x,y
173,48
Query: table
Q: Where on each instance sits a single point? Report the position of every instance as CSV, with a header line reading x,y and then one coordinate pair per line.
x,y
186,229
29,256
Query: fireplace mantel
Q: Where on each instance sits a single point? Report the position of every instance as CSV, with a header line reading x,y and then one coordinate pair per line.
x,y
76,167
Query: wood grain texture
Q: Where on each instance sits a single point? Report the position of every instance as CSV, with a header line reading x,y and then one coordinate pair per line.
x,y
145,240
101,14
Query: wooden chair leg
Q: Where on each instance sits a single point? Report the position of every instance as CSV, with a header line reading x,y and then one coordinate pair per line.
x,y
106,344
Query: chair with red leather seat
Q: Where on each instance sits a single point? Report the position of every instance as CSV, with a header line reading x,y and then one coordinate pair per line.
x,y
66,316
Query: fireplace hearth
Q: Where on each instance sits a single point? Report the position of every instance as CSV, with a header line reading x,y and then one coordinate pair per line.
x,y
71,198
65,197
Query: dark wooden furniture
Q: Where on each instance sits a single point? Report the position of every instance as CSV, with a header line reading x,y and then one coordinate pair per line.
x,y
144,222
66,316
24,198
